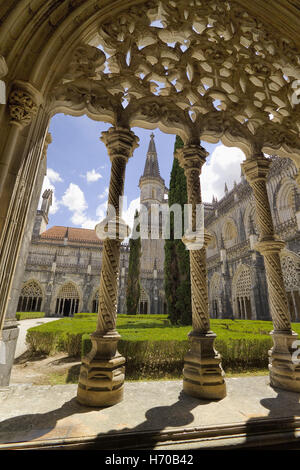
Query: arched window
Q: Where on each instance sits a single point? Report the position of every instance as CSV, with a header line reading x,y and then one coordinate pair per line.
x,y
215,291
67,301
285,201
291,276
95,302
230,234
241,292
144,302
31,297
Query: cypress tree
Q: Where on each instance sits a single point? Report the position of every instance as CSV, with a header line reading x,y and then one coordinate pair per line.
x,y
133,282
177,265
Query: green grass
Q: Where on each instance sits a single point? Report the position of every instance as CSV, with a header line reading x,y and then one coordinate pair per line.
x,y
29,315
153,348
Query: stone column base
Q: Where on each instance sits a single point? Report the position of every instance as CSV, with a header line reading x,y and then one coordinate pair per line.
x,y
284,369
102,373
203,376
9,339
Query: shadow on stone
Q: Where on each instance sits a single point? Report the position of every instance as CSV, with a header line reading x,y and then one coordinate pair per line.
x,y
279,430
32,426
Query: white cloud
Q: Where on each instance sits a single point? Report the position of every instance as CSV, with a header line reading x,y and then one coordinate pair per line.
x,y
92,176
128,212
223,166
74,200
104,194
54,176
50,179
101,211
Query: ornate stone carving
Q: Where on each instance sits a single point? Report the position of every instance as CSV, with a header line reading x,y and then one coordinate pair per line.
x,y
283,372
102,371
21,107
203,374
206,69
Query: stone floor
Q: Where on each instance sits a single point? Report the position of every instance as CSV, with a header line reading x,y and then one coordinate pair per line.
x,y
153,415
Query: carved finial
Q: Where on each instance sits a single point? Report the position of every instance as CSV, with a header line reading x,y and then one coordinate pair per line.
x,y
226,189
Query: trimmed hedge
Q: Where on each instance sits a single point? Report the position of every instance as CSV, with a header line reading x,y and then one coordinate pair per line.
x,y
29,315
154,349
149,357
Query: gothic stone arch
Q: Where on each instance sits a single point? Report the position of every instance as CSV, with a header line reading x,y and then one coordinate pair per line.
x,y
68,299
229,233
144,305
215,293
241,292
290,263
31,297
215,70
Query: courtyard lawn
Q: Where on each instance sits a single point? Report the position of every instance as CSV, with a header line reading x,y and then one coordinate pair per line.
x,y
153,347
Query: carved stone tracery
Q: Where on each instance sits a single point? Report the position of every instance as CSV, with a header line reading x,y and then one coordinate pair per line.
x,y
194,68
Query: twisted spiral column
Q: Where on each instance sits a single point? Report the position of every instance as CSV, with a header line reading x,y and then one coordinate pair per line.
x,y
191,159
284,372
256,171
101,380
203,373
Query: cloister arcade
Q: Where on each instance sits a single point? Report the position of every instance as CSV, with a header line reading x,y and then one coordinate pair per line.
x,y
241,292
204,70
31,297
67,301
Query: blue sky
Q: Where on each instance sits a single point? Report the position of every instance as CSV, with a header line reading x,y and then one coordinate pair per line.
x,y
79,170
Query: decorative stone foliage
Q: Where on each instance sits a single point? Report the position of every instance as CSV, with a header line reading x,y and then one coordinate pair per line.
x,y
291,272
196,68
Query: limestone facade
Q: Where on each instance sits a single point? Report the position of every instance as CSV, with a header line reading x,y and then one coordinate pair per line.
x,y
214,70
236,271
63,265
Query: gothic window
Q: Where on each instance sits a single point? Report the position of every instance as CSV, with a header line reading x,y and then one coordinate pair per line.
x,y
215,291
285,201
144,302
213,243
67,301
291,272
230,234
241,289
31,298
95,303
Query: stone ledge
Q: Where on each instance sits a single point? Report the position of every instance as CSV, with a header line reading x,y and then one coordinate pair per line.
x,y
153,415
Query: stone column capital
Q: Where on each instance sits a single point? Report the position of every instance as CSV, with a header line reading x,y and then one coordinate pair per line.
x,y
256,169
120,142
22,107
191,157
269,247
196,240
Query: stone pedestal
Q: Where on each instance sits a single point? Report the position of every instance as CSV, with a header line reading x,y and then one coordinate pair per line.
x,y
9,337
284,373
203,376
203,373
102,373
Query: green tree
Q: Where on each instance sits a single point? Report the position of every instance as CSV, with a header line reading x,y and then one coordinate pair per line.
x,y
177,264
133,282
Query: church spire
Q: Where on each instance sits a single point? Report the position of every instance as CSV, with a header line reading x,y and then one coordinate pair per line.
x,y
151,166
